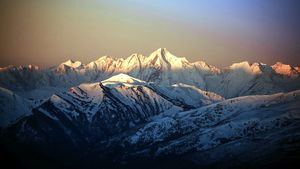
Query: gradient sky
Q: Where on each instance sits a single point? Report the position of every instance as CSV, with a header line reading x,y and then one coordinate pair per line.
x,y
220,32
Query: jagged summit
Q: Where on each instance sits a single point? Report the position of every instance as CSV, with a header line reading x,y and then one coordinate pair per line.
x,y
163,55
105,57
134,59
284,69
160,51
164,60
69,65
72,64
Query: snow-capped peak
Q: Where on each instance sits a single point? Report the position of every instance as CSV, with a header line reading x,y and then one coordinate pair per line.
x,y
163,53
103,58
72,64
69,65
123,78
284,69
164,58
134,57
105,63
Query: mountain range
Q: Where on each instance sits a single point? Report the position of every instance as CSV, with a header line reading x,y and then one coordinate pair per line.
x,y
159,111
160,67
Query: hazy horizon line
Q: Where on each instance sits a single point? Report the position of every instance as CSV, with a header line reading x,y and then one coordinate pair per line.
x,y
120,57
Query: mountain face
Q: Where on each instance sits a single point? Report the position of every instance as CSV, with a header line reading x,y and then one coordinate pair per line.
x,y
127,124
92,113
284,69
234,131
161,67
229,120
12,107
109,107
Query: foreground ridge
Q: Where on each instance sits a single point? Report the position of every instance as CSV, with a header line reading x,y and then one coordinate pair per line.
x,y
114,123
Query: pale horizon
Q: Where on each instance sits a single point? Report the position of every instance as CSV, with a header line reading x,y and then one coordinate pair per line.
x,y
97,57
46,33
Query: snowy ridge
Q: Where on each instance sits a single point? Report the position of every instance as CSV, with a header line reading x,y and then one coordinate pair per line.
x,y
217,124
123,79
191,96
118,103
124,90
285,69
72,64
109,109
69,66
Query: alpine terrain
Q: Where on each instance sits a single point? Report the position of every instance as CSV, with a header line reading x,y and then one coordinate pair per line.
x,y
156,111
